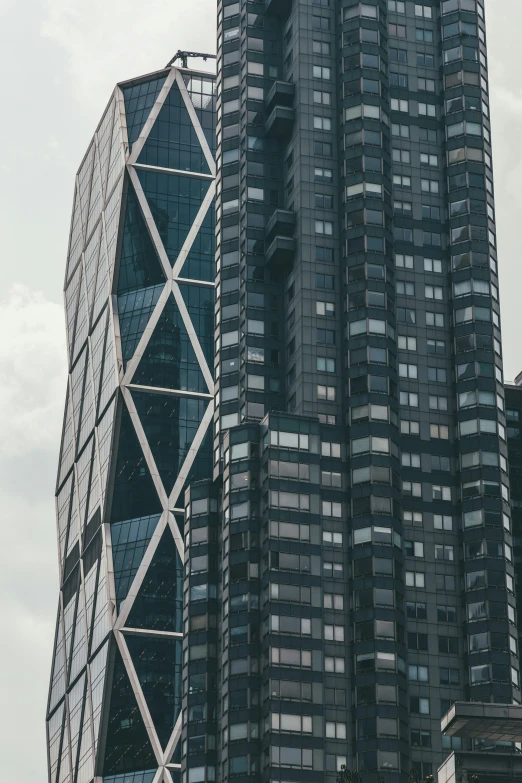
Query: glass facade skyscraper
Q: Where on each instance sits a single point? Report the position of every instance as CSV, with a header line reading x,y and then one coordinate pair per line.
x,y
284,508
139,299
350,571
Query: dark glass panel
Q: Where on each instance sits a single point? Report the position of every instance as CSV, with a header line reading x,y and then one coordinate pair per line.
x,y
159,603
199,264
139,100
169,360
130,539
202,93
134,492
173,142
127,747
158,666
135,310
170,424
174,203
140,266
199,301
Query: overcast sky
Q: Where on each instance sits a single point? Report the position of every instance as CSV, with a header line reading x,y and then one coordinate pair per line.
x,y
60,60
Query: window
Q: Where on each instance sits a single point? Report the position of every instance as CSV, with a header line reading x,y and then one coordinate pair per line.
x,y
399,104
409,399
407,343
410,460
443,552
405,288
333,601
435,319
414,549
441,493
402,181
397,30
322,123
448,645
424,36
325,308
330,449
429,186
439,431
324,227
323,175
413,489
331,508
424,11
404,262
412,518
415,579
334,665
432,265
419,706
416,611
322,72
322,98
398,55
326,393
408,371
409,427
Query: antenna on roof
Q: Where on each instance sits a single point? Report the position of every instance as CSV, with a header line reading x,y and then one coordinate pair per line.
x,y
183,56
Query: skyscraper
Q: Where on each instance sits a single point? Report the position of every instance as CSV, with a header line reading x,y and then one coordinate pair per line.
x,y
350,570
139,300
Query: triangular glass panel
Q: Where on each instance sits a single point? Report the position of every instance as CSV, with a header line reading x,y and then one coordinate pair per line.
x,y
202,92
104,142
117,157
174,202
87,410
169,360
77,382
102,285
130,540
76,698
84,183
55,727
139,100
157,663
58,671
85,750
159,603
70,600
79,648
109,382
82,321
176,756
170,424
173,142
202,465
91,559
64,501
98,667
76,237
96,203
134,492
112,222
199,301
97,346
127,744
67,448
105,432
199,263
84,466
103,612
139,265
92,252
135,310
71,307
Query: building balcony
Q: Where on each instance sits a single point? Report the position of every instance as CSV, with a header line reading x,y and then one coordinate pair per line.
x,y
280,122
281,223
280,251
279,109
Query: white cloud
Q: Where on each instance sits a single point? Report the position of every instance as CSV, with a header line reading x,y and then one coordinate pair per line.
x,y
111,41
32,371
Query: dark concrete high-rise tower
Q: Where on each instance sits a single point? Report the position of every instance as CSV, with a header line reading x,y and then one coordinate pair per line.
x,y
139,300
350,569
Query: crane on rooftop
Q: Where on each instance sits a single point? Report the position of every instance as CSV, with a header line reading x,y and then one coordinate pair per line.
x,y
183,56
